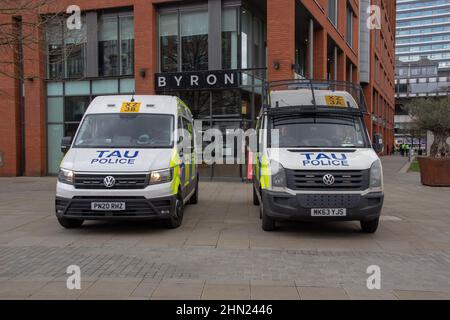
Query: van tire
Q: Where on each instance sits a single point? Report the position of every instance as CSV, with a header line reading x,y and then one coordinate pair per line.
x,y
370,226
194,197
268,223
255,197
70,223
175,220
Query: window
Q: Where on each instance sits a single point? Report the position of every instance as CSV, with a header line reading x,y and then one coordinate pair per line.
x,y
252,41
333,11
188,131
125,131
55,49
183,40
116,45
168,39
229,38
126,45
415,71
321,131
349,32
66,49
75,50
194,40
403,72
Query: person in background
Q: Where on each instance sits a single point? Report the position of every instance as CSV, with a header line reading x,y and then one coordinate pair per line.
x,y
407,149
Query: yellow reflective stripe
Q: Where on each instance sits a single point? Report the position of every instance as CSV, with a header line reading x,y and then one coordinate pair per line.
x,y
193,166
175,164
265,172
256,165
186,176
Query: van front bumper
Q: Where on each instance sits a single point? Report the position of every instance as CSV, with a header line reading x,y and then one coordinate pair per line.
x,y
284,206
136,208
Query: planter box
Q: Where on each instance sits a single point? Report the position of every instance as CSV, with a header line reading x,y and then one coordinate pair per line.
x,y
434,172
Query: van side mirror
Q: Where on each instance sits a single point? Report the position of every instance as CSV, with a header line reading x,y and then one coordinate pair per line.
x,y
66,142
378,143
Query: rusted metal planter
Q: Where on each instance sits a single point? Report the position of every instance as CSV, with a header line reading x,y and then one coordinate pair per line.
x,y
434,172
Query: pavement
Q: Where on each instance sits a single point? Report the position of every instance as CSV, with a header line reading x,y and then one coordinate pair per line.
x,y
221,252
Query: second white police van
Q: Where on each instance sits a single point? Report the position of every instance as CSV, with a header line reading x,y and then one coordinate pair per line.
x,y
131,158
315,160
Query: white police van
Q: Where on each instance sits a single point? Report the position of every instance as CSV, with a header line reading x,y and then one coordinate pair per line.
x,y
315,160
131,158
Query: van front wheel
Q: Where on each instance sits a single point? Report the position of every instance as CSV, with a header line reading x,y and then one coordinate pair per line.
x,y
268,223
70,223
370,226
194,197
177,217
255,197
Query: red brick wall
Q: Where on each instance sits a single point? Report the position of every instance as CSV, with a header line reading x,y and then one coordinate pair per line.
x,y
384,89
280,38
9,110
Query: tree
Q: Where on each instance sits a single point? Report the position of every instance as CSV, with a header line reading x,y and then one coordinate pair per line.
x,y
433,114
18,31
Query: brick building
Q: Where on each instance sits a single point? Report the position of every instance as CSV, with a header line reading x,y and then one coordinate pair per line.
x,y
123,46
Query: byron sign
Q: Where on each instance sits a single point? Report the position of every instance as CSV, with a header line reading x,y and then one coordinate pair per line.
x,y
197,80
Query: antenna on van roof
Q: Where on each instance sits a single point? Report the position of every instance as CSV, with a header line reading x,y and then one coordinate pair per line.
x,y
132,97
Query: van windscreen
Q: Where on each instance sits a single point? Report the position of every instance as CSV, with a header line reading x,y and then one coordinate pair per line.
x,y
320,131
125,131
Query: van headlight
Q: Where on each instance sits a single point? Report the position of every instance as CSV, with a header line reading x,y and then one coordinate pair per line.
x,y
278,174
376,175
65,176
160,176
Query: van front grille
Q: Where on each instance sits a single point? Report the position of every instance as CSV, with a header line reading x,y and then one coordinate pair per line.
x,y
80,206
122,181
313,179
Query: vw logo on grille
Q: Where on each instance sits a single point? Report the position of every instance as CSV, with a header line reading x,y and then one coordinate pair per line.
x,y
328,179
109,181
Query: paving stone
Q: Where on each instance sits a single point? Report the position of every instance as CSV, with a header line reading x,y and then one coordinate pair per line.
x,y
259,292
320,293
221,251
421,295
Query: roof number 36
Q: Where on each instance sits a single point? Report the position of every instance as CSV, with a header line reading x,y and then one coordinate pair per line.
x,y
130,107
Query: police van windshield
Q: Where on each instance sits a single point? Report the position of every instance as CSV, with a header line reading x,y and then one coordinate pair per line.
x,y
320,131
125,131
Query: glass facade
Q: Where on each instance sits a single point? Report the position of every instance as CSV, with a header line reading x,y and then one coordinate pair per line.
x,y
423,30
183,46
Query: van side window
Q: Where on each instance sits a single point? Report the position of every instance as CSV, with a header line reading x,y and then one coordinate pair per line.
x,y
179,128
188,127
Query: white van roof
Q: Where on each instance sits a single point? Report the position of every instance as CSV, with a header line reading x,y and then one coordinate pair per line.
x,y
149,104
304,97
